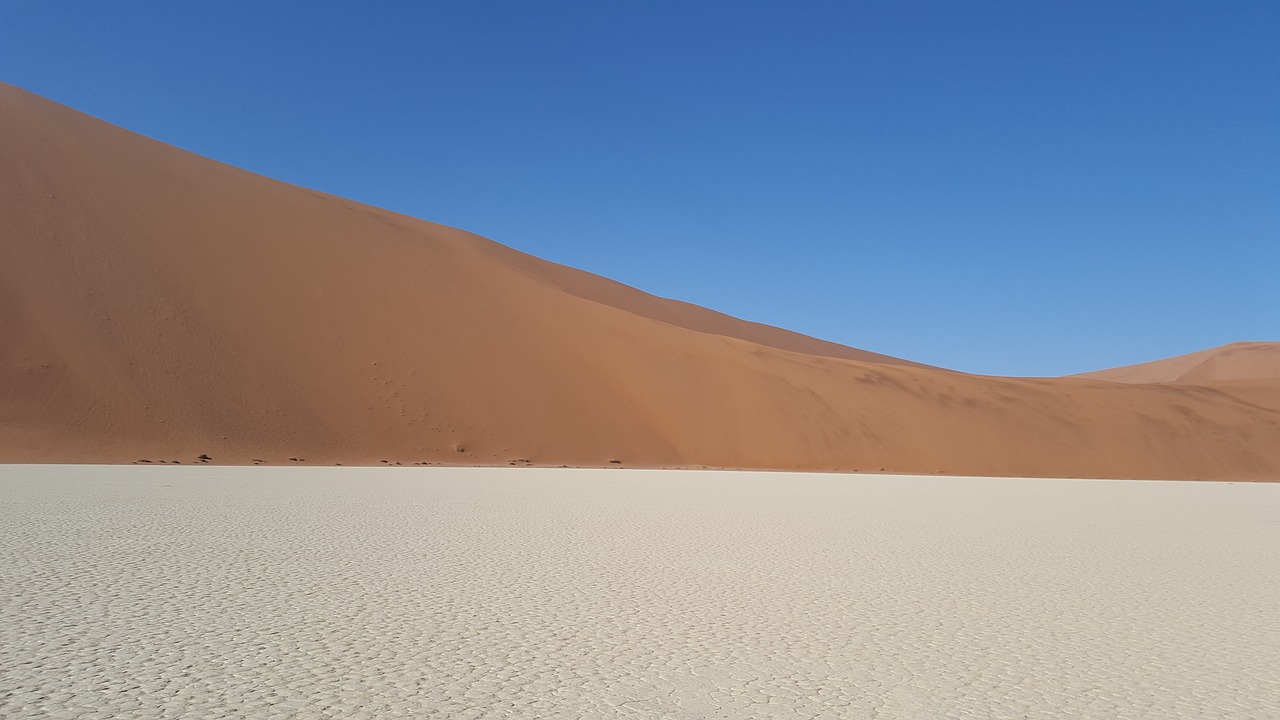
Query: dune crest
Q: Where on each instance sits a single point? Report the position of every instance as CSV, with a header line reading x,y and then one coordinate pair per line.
x,y
159,305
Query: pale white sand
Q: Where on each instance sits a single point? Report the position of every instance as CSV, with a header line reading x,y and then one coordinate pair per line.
x,y
168,592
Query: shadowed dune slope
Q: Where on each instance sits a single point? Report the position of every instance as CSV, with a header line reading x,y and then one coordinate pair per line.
x,y
1237,361
157,305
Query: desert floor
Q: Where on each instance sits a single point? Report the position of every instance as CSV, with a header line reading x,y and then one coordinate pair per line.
x,y
213,592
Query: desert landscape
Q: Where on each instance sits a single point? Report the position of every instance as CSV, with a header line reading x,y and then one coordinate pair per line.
x,y
271,453
159,307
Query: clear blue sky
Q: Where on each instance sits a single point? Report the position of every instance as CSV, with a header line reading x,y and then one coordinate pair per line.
x,y
1030,188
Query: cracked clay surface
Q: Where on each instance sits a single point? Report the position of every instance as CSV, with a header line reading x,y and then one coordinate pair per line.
x,y
207,592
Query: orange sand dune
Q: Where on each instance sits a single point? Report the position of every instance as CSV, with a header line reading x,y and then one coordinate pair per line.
x,y
1237,361
158,305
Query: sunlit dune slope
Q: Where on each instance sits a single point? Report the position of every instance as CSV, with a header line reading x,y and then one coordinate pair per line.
x,y
1237,361
159,305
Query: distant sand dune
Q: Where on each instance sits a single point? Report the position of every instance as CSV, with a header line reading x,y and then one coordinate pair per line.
x,y
1237,361
158,305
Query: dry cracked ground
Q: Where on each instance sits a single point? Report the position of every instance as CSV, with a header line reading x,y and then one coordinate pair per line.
x,y
206,592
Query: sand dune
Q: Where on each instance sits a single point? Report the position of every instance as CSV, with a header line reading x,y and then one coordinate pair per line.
x,y
158,305
1237,361
547,593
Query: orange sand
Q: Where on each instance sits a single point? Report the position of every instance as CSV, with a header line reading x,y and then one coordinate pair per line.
x,y
158,305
